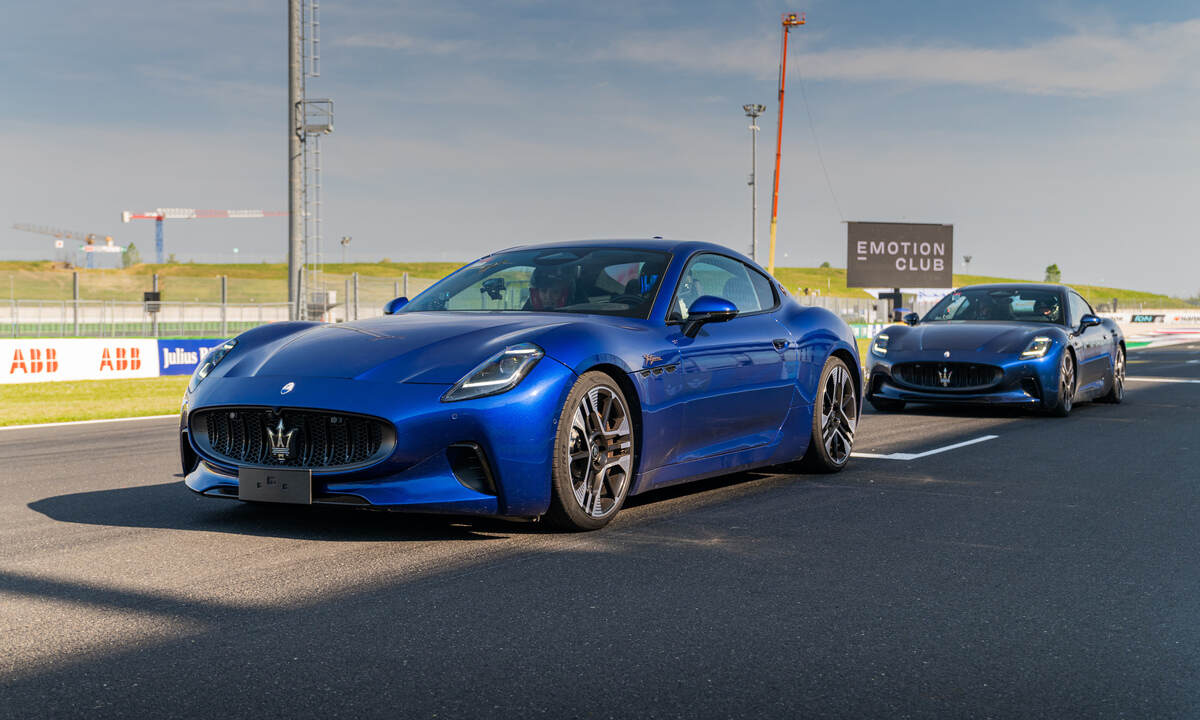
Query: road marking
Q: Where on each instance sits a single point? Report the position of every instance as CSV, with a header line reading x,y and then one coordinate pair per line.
x,y
927,453
1129,378
87,422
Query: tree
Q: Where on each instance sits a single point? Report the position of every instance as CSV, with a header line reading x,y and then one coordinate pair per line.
x,y
826,264
1053,274
131,256
171,259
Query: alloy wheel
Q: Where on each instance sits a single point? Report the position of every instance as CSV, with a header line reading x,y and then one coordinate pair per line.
x,y
1118,390
839,415
599,453
1067,382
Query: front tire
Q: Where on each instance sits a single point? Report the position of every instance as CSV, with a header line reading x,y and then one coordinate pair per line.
x,y
1116,393
594,450
1066,386
835,420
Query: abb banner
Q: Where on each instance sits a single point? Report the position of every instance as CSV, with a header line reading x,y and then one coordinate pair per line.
x,y
48,359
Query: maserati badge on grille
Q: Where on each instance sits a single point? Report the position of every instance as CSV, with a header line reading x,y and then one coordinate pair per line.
x,y
287,388
946,354
281,442
943,377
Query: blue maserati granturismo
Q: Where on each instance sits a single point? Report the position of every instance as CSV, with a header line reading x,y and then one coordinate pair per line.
x,y
542,381
1039,346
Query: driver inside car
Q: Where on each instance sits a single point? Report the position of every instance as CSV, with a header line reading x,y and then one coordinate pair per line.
x,y
550,288
1048,309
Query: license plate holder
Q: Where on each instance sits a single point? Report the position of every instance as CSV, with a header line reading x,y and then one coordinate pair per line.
x,y
277,485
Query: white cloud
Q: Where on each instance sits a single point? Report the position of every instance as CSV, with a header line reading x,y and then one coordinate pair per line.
x,y
1142,57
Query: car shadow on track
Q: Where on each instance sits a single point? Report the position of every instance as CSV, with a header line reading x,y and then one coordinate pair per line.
x,y
169,506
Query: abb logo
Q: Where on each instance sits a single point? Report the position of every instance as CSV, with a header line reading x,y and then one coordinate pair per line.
x,y
34,360
121,359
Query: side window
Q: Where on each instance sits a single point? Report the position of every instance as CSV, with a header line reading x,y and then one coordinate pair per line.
x,y
721,277
764,289
1079,307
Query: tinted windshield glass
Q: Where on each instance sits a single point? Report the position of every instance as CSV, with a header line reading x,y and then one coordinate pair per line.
x,y
605,281
1003,305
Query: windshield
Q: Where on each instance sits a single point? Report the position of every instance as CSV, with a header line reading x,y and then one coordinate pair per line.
x,y
999,304
604,281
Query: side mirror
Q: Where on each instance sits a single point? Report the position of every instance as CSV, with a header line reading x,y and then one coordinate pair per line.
x,y
393,306
912,319
1088,321
707,309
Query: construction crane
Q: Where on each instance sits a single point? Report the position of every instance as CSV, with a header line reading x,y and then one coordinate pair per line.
x,y
790,20
91,241
160,214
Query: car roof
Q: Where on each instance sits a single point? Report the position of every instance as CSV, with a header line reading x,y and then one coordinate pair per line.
x,y
675,247
1016,286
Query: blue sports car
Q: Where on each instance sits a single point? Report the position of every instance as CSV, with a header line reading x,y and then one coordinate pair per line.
x,y
539,381
1040,346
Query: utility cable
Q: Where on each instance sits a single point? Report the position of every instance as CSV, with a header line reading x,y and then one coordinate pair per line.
x,y
820,156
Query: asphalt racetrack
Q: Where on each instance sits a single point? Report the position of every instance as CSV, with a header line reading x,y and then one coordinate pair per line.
x,y
1048,571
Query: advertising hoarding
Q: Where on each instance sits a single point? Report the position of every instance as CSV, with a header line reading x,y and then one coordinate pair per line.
x,y
880,254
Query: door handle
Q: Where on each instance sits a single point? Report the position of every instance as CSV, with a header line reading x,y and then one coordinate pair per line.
x,y
780,343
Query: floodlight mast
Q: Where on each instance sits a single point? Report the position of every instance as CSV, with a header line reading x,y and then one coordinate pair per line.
x,y
752,112
790,20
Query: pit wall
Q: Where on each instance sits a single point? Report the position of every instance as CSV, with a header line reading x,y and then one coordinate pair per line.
x,y
28,360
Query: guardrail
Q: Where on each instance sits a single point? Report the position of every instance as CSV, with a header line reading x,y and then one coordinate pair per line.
x,y
110,318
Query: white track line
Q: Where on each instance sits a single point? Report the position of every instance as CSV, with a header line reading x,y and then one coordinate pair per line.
x,y
927,453
87,422
1130,378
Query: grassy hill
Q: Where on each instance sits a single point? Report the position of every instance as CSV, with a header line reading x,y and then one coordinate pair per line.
x,y
267,282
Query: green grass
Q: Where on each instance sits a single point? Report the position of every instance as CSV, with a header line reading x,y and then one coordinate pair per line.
x,y
267,282
194,282
28,403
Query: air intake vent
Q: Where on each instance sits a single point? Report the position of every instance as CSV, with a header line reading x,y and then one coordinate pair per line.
x,y
470,467
314,439
947,375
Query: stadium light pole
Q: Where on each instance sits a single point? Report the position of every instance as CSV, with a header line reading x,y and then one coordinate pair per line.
x,y
295,161
752,112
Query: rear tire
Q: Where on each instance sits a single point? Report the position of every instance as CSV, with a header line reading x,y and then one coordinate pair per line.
x,y
886,405
594,451
835,420
1066,386
1116,393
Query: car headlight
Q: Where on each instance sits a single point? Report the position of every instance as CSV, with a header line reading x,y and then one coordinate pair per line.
x,y
1038,347
499,373
880,345
209,363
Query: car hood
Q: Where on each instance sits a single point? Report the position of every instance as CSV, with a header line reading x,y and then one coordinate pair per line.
x,y
996,337
418,347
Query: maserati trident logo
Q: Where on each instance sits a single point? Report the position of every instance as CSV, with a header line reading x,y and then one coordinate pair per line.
x,y
944,376
287,388
946,354
281,442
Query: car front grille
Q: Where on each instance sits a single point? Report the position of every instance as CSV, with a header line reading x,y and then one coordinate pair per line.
x,y
316,439
947,375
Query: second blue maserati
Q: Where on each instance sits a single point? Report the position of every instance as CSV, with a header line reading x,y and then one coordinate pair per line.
x,y
1038,346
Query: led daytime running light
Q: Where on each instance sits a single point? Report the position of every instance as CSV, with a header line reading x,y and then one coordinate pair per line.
x,y
879,347
1037,348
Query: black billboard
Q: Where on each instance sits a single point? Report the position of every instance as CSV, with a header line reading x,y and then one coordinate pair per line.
x,y
913,255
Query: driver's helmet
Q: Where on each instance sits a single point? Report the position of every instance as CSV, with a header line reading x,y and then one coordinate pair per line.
x,y
1047,307
550,287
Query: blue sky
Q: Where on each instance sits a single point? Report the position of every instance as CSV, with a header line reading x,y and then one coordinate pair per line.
x,y
1046,132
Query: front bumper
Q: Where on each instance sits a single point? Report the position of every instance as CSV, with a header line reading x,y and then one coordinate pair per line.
x,y
514,433
1022,381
